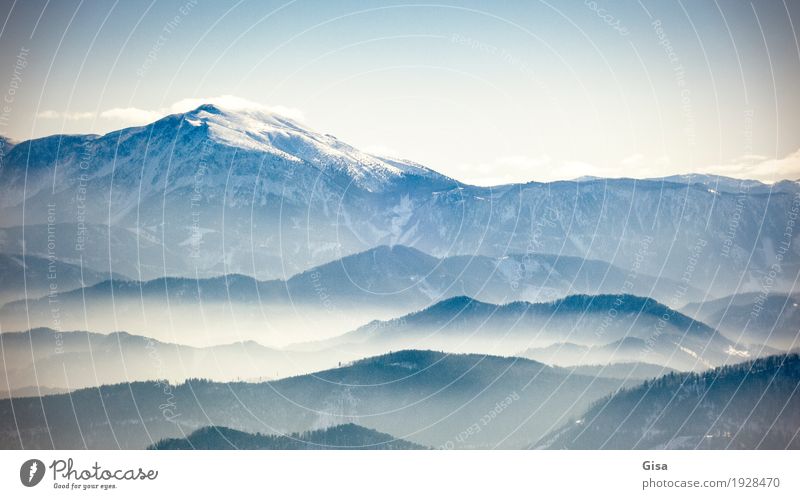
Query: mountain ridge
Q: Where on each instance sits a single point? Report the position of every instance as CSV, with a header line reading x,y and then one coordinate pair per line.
x,y
427,397
166,188
341,437
601,328
752,405
381,283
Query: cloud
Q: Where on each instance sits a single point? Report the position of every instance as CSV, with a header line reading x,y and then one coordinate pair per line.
x,y
520,168
513,169
134,116
502,170
761,168
131,115
48,115
749,167
54,115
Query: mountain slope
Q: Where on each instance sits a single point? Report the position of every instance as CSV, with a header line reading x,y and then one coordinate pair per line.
x,y
214,187
79,359
771,319
217,191
754,405
33,277
622,370
327,300
346,436
431,398
602,329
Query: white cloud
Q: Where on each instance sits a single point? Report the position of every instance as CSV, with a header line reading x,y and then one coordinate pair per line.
x,y
761,168
233,103
512,169
750,167
54,115
131,115
519,168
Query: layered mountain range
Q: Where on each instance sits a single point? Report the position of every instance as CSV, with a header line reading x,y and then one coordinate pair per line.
x,y
331,299
602,328
221,279
212,192
429,398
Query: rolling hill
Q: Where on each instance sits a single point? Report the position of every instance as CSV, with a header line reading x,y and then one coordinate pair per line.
x,y
578,329
346,436
433,399
31,277
753,405
768,318
327,300
69,360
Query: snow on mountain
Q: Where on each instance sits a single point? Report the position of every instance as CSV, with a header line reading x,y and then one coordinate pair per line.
x,y
714,181
230,148
280,136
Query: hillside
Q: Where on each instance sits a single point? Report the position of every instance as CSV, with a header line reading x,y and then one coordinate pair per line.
x,y
32,277
346,436
753,405
772,319
601,329
274,198
80,359
326,300
430,398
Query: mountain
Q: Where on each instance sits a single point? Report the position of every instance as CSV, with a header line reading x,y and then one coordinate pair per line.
x,y
324,301
430,398
621,370
599,329
214,191
753,405
33,277
346,436
71,360
217,189
706,308
768,318
106,249
720,183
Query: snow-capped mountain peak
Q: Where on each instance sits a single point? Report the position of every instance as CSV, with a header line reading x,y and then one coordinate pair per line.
x,y
271,133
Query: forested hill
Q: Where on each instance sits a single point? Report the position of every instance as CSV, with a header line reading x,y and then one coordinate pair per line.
x,y
753,405
346,436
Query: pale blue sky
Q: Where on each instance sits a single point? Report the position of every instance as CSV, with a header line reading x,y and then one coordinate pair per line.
x,y
488,92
